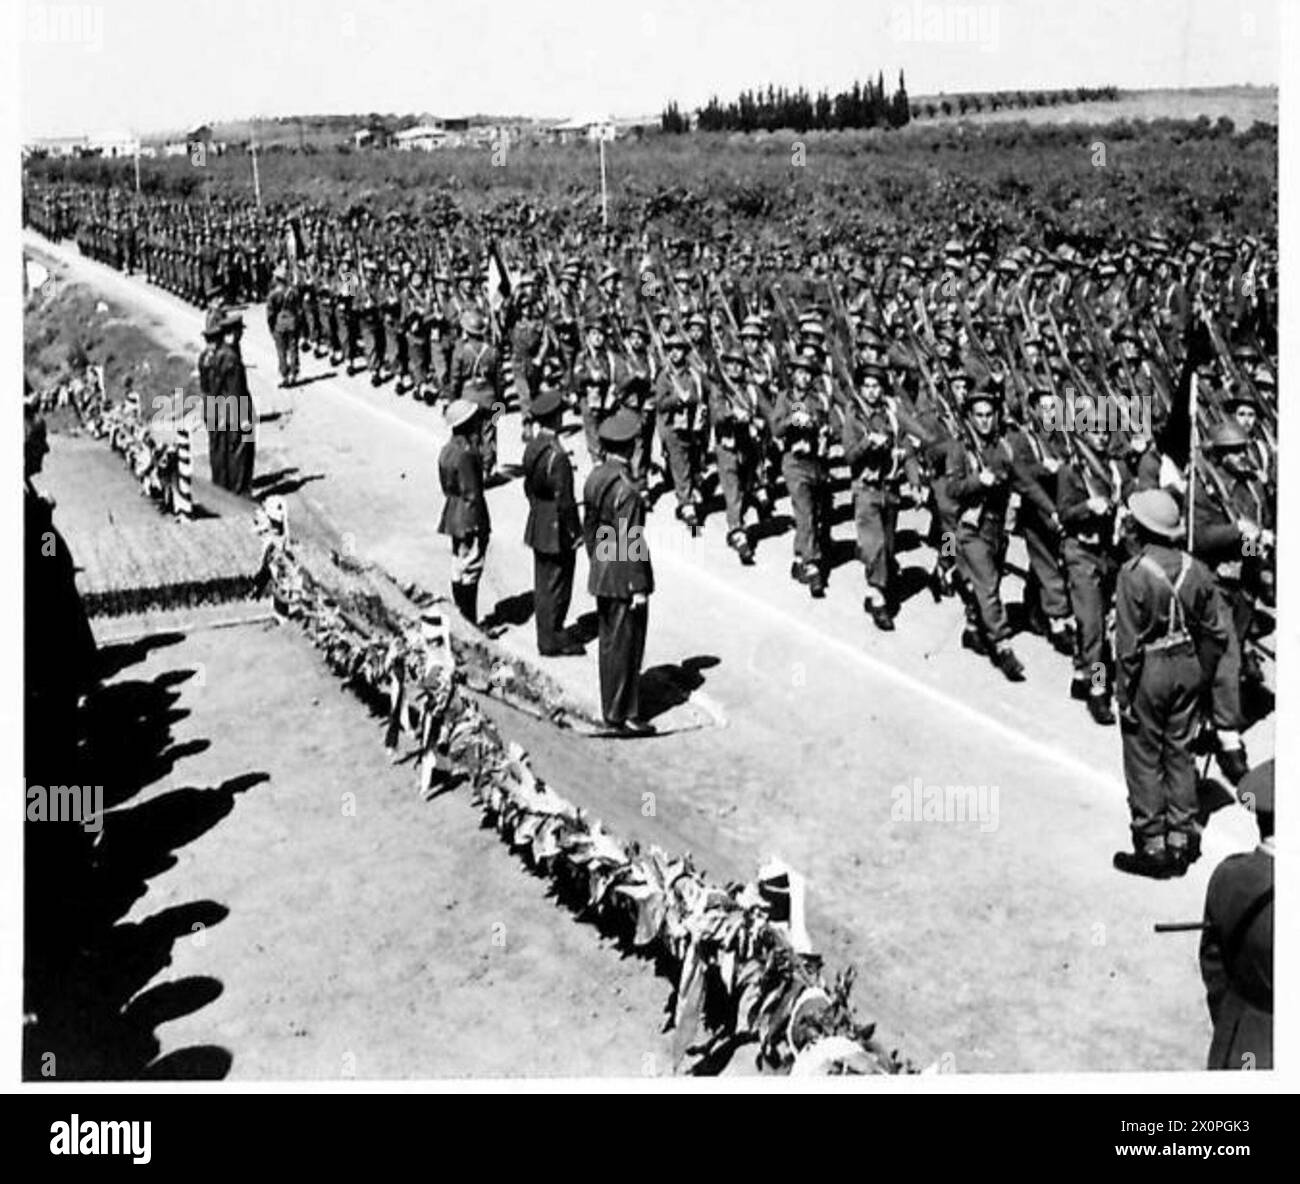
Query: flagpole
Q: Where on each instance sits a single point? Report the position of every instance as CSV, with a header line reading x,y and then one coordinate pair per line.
x,y
257,180
604,192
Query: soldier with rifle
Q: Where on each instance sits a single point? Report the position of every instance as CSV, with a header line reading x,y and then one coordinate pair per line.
x,y
734,413
680,408
878,450
1232,533
981,476
284,320
1092,488
1039,448
801,422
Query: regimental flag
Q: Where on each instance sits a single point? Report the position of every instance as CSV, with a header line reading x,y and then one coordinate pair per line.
x,y
499,283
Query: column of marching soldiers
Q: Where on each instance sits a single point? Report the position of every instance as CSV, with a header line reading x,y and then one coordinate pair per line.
x,y
1105,403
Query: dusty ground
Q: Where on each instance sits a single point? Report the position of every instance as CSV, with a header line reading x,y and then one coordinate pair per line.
x,y
308,914
1011,945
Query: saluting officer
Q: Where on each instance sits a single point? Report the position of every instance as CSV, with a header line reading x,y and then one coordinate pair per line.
x,y
554,529
465,516
621,577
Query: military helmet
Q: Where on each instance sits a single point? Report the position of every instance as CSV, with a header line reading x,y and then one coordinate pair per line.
x,y
474,324
1228,434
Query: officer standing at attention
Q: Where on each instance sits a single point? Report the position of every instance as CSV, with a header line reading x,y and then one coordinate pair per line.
x,y
621,578
1169,636
1237,942
234,407
465,512
554,530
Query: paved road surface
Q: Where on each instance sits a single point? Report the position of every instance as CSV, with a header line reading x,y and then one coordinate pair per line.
x,y
1007,944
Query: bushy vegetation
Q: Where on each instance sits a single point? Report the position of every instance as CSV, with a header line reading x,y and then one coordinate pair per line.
x,y
1030,182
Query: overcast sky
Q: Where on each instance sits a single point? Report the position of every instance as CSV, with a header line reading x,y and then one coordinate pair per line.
x,y
150,65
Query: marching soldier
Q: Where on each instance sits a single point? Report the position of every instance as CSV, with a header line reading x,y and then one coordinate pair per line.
x,y
1038,448
594,378
371,321
283,309
733,410
981,476
393,294
476,375
1088,504
344,343
621,577
465,518
879,459
679,406
554,529
801,422
1235,538
1169,635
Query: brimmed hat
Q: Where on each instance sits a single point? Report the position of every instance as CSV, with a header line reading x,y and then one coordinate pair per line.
x,y
547,403
1156,511
753,327
460,412
622,426
1255,790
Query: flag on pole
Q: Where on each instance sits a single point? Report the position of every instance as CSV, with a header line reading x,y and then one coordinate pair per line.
x,y
499,284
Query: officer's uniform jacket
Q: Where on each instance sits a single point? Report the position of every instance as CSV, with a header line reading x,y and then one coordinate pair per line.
x,y
553,526
1237,961
460,472
614,514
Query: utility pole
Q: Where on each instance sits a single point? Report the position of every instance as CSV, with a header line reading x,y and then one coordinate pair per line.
x,y
257,179
604,190
137,166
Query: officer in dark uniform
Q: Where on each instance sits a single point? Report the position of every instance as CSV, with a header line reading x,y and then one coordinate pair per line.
x,y
1237,941
212,331
235,404
554,529
621,577
465,518
1169,636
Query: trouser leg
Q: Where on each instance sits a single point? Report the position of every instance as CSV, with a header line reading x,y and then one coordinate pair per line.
x,y
731,479
977,561
622,648
875,516
1226,690
552,593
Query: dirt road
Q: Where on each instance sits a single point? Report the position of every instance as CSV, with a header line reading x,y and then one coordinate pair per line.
x,y
1002,944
